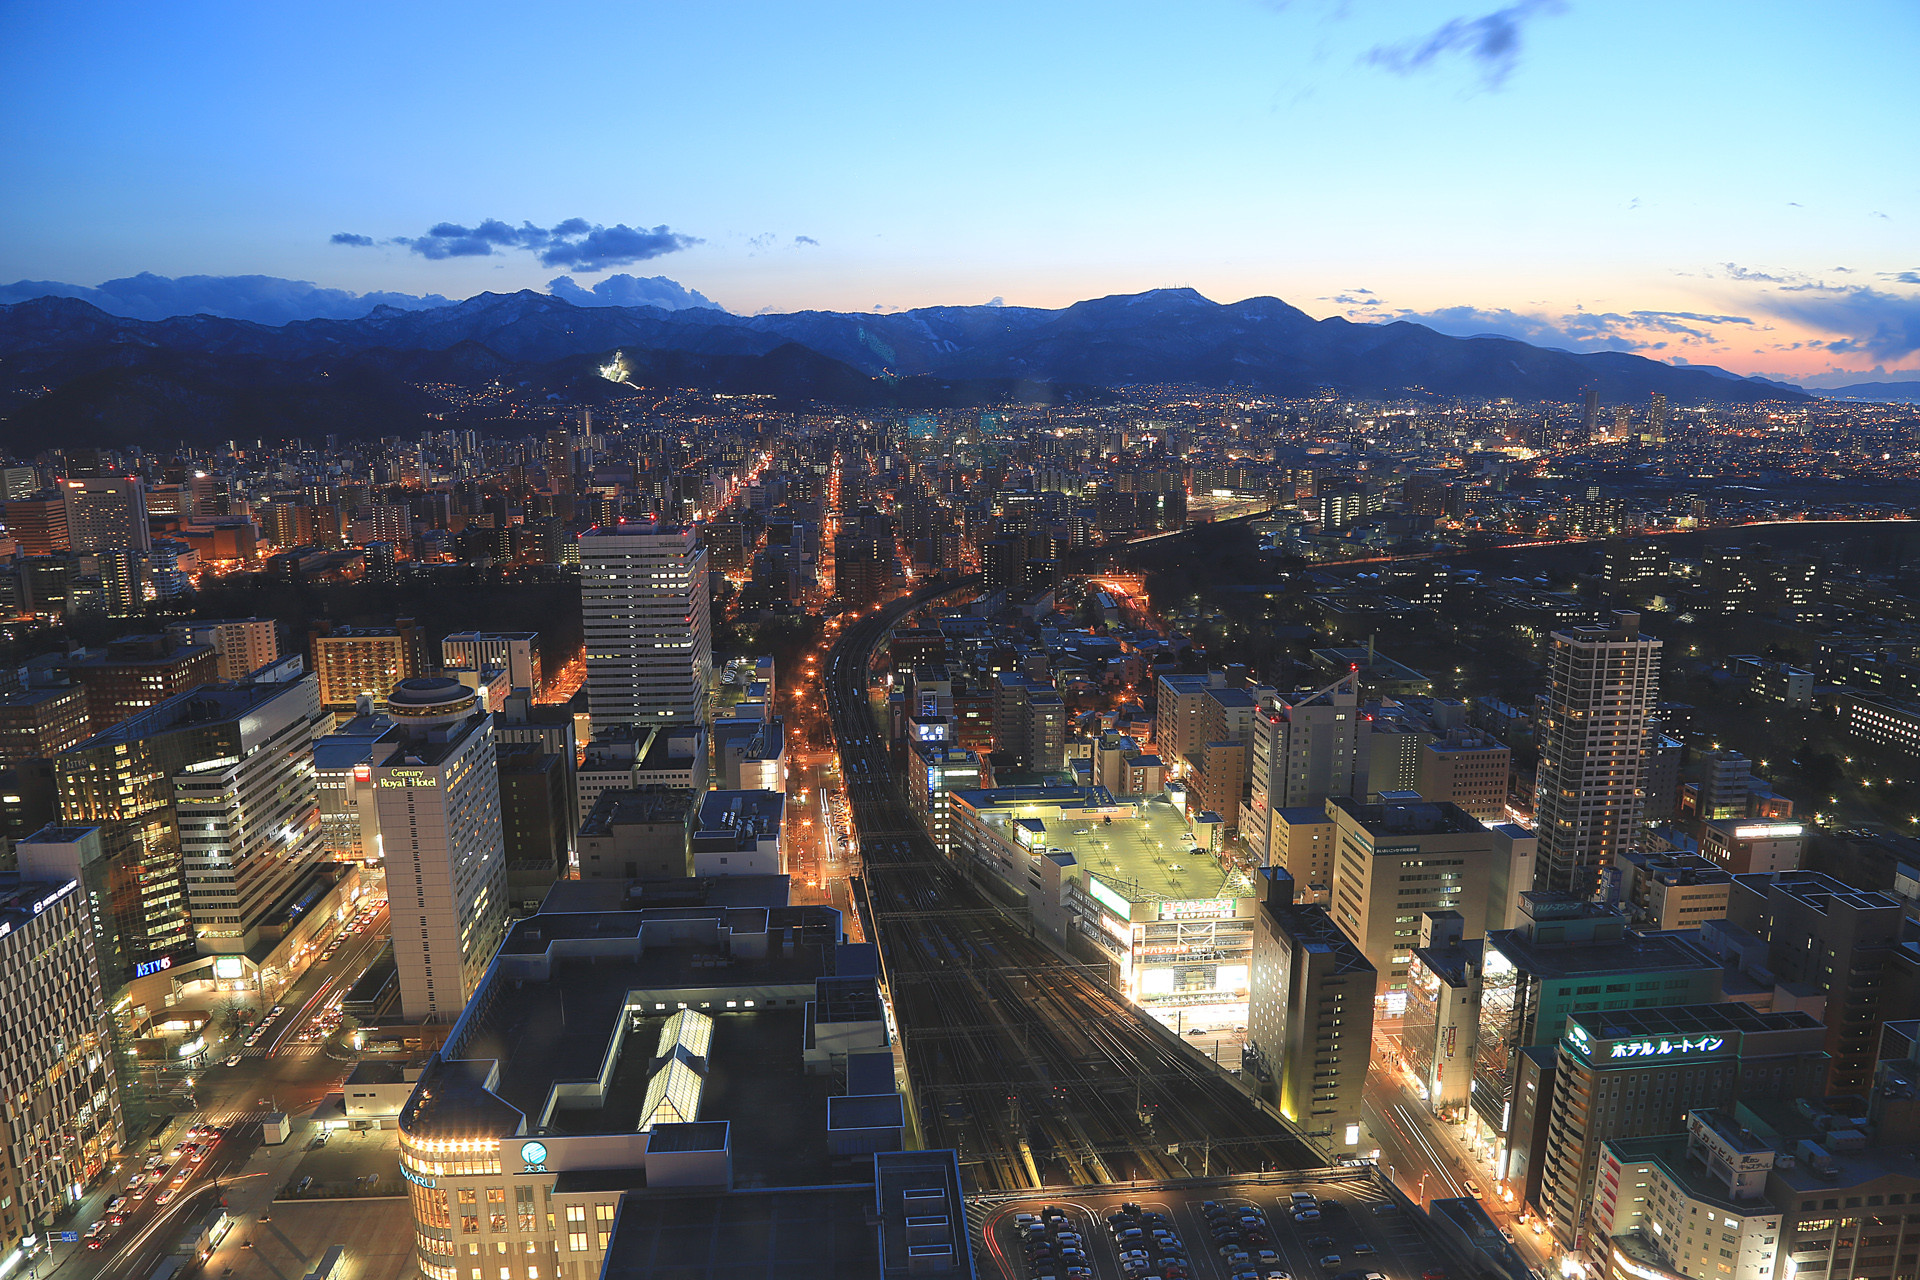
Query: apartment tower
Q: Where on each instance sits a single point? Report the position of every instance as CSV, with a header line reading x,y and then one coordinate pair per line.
x,y
1601,684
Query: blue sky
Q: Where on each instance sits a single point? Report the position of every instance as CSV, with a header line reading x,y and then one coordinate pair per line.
x,y
1734,183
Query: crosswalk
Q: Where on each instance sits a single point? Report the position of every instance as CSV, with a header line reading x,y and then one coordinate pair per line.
x,y
229,1117
306,1050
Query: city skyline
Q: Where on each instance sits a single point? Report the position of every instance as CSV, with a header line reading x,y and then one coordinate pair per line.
x,y
1579,176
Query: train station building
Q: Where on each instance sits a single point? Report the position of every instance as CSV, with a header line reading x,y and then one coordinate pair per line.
x,y
1123,880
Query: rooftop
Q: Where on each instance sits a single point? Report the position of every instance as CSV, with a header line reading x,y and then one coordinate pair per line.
x,y
1692,1020
1442,818
1145,855
1450,964
590,1016
22,900
1632,953
640,805
209,704
802,1234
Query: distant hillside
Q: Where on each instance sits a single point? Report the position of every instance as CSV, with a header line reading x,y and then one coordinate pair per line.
x,y
1878,392
68,367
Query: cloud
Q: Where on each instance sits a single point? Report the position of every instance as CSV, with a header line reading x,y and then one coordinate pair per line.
x,y
575,243
1491,42
624,290
1738,272
996,301
1581,331
262,299
800,240
1871,322
348,237
1906,277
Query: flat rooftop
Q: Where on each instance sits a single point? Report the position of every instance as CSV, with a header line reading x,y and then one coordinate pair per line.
x,y
1427,818
621,807
1148,857
1634,953
1692,1020
802,1234
1313,930
1450,964
575,896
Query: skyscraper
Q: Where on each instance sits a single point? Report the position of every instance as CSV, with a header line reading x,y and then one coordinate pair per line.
x,y
1306,747
643,599
1588,798
208,813
1656,417
437,782
106,511
60,1103
1590,414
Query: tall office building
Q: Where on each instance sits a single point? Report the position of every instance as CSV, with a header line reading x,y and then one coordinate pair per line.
x,y
208,813
136,673
106,511
644,605
436,780
1656,416
37,724
1601,684
1590,413
1309,1017
1391,863
1805,927
1567,956
59,1102
1306,748
515,652
39,525
249,818
243,645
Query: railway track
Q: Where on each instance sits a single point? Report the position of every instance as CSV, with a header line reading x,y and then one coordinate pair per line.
x,y
1031,1066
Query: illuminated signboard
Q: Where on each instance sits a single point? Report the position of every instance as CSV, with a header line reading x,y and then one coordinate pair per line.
x,y
1769,831
1198,909
146,967
55,896
1663,1047
1109,899
534,1156
398,778
362,772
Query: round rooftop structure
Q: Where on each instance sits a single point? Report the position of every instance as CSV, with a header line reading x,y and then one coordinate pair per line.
x,y
431,700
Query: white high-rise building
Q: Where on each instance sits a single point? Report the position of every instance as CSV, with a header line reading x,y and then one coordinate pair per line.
x,y
1306,748
438,792
1589,795
515,652
105,512
643,599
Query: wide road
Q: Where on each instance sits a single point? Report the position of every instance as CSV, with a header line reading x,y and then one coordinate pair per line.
x,y
285,1071
1034,1068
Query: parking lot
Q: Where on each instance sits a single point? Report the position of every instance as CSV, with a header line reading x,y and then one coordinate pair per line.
x,y
1359,1233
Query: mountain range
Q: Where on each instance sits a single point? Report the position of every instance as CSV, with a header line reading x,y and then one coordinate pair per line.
x,y
69,370
1877,392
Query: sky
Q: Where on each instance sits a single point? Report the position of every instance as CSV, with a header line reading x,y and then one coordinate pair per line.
x,y
1721,183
